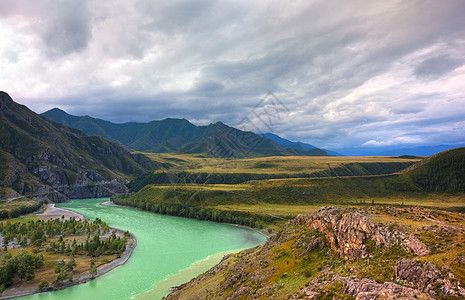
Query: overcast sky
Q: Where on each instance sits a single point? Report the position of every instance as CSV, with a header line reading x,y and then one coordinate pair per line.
x,y
342,73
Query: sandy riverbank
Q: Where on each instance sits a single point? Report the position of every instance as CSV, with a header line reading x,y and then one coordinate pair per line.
x,y
52,212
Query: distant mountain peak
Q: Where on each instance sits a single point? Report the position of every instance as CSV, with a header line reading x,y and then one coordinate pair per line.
x,y
5,97
287,143
56,110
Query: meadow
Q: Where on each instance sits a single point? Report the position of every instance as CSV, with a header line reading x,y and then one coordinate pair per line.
x,y
190,187
267,165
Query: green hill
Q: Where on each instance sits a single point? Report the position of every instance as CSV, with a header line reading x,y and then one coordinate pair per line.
x,y
443,172
429,182
42,159
180,136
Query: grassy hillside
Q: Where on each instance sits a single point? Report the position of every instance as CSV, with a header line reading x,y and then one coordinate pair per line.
x,y
191,169
270,200
444,172
16,206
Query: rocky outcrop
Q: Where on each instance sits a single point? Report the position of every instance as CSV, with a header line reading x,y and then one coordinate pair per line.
x,y
344,254
425,277
361,289
414,279
348,232
413,244
367,289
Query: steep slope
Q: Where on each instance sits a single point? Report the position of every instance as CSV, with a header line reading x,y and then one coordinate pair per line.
x,y
179,135
442,172
47,160
225,141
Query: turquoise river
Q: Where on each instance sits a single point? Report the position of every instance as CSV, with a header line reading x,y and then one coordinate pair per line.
x,y
170,251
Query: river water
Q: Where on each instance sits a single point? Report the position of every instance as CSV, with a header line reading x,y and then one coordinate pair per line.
x,y
170,251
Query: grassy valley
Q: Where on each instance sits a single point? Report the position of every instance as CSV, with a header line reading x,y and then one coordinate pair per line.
x,y
205,187
384,225
193,169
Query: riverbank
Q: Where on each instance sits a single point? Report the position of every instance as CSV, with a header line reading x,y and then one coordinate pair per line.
x,y
52,212
263,231
199,267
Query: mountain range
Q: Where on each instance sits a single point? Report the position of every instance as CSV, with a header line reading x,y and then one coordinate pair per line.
x,y
46,160
297,145
181,136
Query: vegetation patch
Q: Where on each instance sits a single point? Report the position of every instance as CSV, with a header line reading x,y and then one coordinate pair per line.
x,y
18,207
45,254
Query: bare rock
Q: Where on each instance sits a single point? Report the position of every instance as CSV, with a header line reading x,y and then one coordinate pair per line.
x,y
460,259
427,278
348,231
365,289
415,245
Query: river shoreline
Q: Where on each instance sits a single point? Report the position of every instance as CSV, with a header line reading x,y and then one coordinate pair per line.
x,y
260,231
52,212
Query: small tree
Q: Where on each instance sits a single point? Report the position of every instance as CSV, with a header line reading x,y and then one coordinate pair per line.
x,y
71,264
93,269
43,284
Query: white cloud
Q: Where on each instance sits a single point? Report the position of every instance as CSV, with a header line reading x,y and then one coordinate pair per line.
x,y
402,140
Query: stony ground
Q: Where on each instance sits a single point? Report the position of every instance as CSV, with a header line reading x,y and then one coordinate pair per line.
x,y
364,253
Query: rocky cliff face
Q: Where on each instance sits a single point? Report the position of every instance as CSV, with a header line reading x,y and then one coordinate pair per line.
x,y
348,233
48,161
339,253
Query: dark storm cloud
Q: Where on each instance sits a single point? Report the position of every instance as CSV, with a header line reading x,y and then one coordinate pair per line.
x,y
349,72
67,29
62,26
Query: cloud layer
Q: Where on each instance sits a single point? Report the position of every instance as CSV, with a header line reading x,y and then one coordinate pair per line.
x,y
346,73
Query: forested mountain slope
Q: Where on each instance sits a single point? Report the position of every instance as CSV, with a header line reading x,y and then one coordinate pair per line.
x,y
46,160
181,136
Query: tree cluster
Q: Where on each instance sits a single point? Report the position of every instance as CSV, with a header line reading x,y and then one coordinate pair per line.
x,y
94,246
442,174
21,266
35,233
194,212
19,211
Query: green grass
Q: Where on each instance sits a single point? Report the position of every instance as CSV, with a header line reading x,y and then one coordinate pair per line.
x,y
270,201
